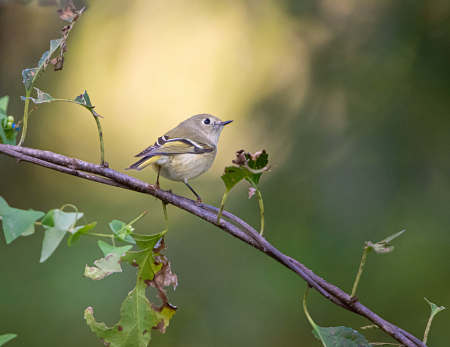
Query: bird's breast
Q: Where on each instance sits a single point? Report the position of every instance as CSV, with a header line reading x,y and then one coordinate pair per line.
x,y
185,166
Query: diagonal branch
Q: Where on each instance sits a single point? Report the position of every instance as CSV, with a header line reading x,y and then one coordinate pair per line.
x,y
236,227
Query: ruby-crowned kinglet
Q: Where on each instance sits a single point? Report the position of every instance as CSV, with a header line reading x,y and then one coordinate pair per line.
x,y
185,152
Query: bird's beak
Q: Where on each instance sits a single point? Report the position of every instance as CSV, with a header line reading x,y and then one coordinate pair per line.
x,y
225,123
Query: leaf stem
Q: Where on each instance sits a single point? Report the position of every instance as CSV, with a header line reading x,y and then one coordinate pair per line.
x,y
222,205
427,329
305,309
261,207
134,221
25,116
166,217
101,235
358,276
76,213
102,146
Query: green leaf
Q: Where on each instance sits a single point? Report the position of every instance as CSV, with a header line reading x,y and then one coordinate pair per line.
x,y
144,261
85,101
233,175
104,267
3,138
383,246
6,337
434,308
336,336
390,238
3,117
78,231
56,224
256,162
31,75
15,221
108,249
146,242
136,321
154,270
30,231
340,337
164,316
42,97
7,136
82,100
3,205
4,106
137,316
120,230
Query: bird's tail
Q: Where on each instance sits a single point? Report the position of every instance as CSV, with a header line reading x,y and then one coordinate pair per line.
x,y
144,162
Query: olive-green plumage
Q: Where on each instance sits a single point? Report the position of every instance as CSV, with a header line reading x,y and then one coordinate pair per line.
x,y
186,151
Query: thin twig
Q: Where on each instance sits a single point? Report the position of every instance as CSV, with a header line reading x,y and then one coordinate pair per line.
x,y
100,135
244,232
261,207
222,205
361,267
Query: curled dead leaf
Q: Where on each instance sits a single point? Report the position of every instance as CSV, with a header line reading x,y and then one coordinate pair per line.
x,y
69,13
163,278
240,158
58,63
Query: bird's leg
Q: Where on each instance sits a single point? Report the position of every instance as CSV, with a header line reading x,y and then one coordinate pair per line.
x,y
199,199
157,179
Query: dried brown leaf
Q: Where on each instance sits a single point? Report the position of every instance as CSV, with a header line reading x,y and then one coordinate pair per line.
x,y
69,13
63,46
58,63
240,158
163,278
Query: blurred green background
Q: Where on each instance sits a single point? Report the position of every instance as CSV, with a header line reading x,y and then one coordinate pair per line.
x,y
351,100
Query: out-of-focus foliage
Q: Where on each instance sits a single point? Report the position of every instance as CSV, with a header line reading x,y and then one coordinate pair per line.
x,y
6,337
15,222
8,129
350,98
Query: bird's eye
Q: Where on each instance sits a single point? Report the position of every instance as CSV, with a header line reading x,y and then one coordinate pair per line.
x,y
207,121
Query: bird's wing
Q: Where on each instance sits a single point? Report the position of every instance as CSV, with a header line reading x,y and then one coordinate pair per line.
x,y
144,162
167,146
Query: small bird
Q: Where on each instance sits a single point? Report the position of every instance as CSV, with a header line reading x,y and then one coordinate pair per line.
x,y
185,152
